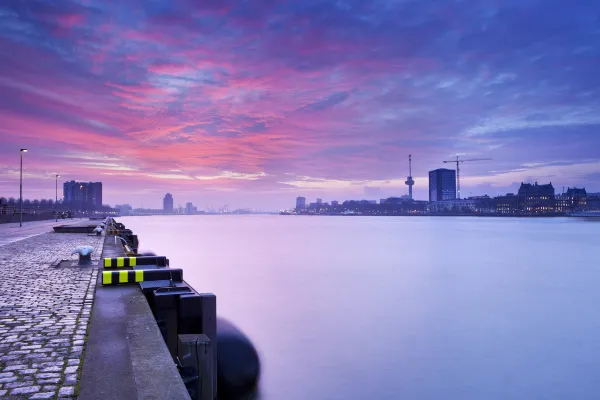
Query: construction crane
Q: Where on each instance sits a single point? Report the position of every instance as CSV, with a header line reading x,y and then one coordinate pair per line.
x,y
458,161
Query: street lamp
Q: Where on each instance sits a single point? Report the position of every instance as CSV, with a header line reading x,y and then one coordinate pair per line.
x,y
56,200
21,190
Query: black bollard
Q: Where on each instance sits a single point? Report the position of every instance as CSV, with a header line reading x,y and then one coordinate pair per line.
x,y
238,365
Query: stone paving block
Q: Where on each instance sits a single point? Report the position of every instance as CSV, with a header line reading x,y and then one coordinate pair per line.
x,y
66,391
16,367
70,379
48,381
52,369
25,390
16,385
71,370
27,371
43,395
3,393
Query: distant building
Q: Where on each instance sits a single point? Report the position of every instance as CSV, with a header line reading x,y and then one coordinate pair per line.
x,y
83,195
319,201
451,206
536,199
300,203
190,208
334,203
508,204
125,209
573,200
168,203
395,200
482,204
593,201
442,184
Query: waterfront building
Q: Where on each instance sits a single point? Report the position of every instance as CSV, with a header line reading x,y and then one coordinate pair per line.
x,y
451,206
125,209
168,204
300,203
573,200
334,203
83,195
536,199
593,201
507,204
482,204
442,184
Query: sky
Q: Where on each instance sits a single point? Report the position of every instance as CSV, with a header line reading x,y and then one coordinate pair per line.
x,y
252,103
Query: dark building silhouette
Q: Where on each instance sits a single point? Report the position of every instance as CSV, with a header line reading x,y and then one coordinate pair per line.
x,y
442,184
536,199
593,201
573,200
83,195
168,203
300,203
508,204
482,204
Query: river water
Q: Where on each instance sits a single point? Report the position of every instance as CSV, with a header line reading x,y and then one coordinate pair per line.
x,y
400,307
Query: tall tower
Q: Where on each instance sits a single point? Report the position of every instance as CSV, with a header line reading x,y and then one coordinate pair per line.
x,y
409,180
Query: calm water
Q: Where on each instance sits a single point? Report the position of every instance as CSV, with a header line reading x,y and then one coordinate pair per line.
x,y
401,308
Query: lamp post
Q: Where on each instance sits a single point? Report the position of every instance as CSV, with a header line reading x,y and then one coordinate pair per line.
x,y
56,199
21,190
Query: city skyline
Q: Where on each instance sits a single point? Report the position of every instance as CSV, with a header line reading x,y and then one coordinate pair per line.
x,y
253,107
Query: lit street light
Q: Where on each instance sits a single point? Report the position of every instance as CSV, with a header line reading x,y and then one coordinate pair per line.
x,y
21,190
56,200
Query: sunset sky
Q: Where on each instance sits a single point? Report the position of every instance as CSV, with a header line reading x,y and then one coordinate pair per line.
x,y
252,103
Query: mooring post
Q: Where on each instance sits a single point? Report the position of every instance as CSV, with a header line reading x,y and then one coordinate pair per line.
x,y
208,306
196,354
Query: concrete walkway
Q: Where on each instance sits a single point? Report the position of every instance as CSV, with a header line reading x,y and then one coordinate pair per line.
x,y
126,356
12,232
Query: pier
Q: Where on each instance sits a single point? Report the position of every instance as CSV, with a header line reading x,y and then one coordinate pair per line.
x,y
106,328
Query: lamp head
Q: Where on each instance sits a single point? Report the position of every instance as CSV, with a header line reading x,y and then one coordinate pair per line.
x,y
23,150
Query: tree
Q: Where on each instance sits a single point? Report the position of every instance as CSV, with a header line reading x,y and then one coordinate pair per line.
x,y
3,200
12,201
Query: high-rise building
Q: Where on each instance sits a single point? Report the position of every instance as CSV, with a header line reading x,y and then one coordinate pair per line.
x,y
300,203
83,195
190,209
442,184
168,203
319,201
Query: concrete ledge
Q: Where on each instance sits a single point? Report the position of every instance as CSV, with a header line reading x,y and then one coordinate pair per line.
x,y
126,356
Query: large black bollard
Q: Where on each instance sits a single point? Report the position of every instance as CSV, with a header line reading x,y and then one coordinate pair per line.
x,y
238,365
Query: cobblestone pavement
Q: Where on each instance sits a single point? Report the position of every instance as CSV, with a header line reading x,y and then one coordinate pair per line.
x,y
44,315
